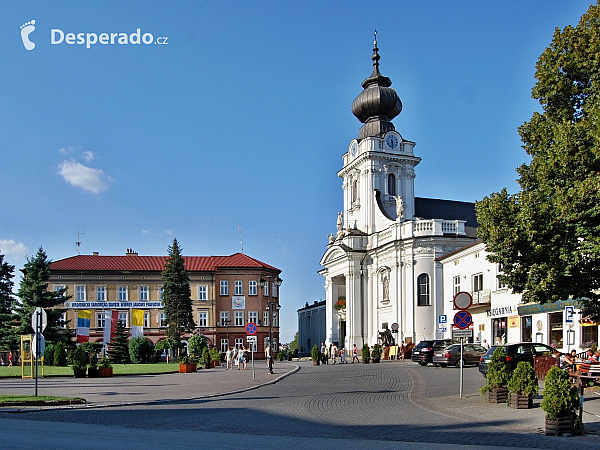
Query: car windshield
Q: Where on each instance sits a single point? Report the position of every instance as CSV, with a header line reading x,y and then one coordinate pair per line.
x,y
422,344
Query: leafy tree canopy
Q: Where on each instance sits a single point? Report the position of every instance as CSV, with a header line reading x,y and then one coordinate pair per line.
x,y
547,236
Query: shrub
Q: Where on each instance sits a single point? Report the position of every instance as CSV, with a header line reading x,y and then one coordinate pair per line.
x,y
315,354
60,355
49,355
105,362
497,376
196,345
376,353
366,353
560,395
140,350
79,358
205,358
523,381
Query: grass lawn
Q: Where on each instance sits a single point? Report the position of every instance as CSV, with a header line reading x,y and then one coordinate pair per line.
x,y
118,369
7,399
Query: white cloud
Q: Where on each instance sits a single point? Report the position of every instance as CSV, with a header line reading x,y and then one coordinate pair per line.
x,y
16,250
88,156
70,149
145,231
169,232
87,178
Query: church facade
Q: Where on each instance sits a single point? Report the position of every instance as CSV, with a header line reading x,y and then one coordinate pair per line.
x,y
380,267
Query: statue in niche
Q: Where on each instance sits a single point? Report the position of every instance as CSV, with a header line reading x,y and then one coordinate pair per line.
x,y
399,208
386,289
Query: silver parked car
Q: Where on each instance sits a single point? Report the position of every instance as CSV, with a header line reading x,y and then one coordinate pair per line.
x,y
450,356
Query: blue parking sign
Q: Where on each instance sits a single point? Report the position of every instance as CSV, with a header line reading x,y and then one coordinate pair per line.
x,y
569,312
442,318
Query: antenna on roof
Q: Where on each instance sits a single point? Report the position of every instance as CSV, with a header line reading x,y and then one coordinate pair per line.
x,y
241,231
79,234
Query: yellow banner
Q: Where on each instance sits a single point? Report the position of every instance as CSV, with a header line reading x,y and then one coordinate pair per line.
x,y
137,317
513,322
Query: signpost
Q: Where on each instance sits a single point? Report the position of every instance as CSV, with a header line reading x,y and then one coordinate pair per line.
x,y
462,321
251,339
569,313
39,318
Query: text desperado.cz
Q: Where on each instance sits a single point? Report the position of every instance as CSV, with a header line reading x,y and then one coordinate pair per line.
x,y
58,36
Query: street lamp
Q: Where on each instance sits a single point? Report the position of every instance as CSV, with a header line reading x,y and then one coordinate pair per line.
x,y
271,304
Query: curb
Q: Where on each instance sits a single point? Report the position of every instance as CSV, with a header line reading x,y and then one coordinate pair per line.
x,y
85,405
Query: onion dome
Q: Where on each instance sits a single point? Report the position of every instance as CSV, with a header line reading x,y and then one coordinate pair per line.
x,y
378,103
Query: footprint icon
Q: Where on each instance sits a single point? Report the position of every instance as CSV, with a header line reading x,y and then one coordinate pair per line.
x,y
26,30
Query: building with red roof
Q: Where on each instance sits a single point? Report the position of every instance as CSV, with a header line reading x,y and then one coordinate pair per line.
x,y
226,294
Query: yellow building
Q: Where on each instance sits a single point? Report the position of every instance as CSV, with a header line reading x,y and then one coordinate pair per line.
x,y
226,294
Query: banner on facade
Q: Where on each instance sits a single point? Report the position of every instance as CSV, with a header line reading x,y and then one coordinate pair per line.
x,y
137,322
110,324
513,322
83,325
112,305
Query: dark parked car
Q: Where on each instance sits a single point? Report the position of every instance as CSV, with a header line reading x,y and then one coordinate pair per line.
x,y
423,351
450,356
523,351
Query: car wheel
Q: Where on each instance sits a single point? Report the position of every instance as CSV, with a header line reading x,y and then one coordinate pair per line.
x,y
444,365
423,363
460,362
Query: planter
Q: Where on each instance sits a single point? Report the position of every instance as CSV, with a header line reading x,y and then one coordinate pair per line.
x,y
497,395
93,372
366,360
206,365
214,364
105,371
542,364
79,372
187,368
561,425
376,360
518,401
316,363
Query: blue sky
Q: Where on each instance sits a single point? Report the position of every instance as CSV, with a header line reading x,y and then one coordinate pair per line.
x,y
242,117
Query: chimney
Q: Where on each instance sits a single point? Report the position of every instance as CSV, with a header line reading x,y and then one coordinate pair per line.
x,y
130,252
95,253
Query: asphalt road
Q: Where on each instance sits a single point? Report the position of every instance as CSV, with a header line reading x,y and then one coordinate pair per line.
x,y
398,405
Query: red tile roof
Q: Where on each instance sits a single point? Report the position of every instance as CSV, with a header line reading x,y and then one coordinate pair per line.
x,y
134,262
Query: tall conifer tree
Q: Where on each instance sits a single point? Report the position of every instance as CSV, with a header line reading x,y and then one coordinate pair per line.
x,y
7,322
33,292
177,294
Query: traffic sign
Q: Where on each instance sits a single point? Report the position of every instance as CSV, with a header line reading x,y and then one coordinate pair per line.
x,y
41,322
569,312
251,339
463,300
462,333
442,318
250,328
443,329
38,345
463,319
395,326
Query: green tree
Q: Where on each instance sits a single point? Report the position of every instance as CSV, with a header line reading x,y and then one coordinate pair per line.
x,y
177,294
119,347
547,236
33,292
140,350
7,304
294,345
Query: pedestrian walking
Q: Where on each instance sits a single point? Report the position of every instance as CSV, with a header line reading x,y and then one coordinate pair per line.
x,y
228,357
402,350
245,358
354,354
343,356
323,349
235,356
326,356
334,352
485,344
240,357
10,359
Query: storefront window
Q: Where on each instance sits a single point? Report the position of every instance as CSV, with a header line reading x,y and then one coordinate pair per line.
x,y
499,330
556,330
589,335
526,328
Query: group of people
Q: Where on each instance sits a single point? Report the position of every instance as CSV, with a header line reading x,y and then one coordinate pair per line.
x,y
236,356
569,361
332,352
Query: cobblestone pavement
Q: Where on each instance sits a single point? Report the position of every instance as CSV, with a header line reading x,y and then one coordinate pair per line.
x,y
397,403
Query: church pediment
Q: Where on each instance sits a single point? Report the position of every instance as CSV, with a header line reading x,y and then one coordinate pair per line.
x,y
333,254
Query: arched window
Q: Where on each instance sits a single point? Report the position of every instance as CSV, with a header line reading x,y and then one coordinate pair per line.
x,y
354,190
423,297
392,184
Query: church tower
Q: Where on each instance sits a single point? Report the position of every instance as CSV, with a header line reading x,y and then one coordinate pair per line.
x,y
378,171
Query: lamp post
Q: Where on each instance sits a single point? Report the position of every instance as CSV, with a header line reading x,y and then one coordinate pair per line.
x,y
271,304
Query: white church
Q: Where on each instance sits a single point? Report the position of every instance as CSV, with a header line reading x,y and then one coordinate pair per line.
x,y
381,270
